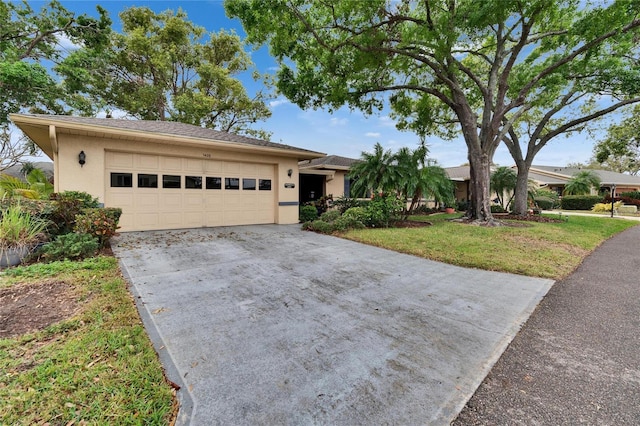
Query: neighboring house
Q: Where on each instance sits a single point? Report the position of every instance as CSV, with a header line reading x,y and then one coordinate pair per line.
x,y
325,176
549,177
167,175
555,178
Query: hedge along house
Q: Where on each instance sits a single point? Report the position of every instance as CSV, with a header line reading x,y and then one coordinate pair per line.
x,y
325,176
168,175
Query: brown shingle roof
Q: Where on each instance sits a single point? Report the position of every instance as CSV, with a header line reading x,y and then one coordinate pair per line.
x,y
329,161
167,127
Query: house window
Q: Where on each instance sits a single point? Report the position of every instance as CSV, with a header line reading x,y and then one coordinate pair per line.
x,y
264,184
249,184
193,182
121,180
214,183
347,186
171,181
231,183
147,181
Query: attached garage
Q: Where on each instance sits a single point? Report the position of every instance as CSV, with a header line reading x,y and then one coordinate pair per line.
x,y
168,175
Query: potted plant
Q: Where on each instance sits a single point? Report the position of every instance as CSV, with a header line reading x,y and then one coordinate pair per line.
x,y
20,233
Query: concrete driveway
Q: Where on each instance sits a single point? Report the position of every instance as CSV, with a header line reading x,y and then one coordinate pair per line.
x,y
273,325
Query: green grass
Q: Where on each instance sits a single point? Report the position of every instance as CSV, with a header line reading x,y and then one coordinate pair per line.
x,y
97,367
550,250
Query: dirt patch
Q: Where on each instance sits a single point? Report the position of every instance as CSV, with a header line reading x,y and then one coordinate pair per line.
x,y
26,308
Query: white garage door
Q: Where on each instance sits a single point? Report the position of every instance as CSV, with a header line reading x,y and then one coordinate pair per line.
x,y
161,192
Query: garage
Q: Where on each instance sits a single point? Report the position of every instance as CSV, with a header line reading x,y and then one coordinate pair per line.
x,y
167,175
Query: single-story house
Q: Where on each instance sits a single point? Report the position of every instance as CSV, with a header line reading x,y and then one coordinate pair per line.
x,y
325,176
553,178
168,175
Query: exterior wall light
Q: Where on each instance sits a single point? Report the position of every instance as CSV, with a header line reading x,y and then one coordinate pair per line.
x,y
289,172
82,158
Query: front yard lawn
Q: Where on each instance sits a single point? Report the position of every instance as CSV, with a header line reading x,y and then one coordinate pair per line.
x,y
73,349
549,250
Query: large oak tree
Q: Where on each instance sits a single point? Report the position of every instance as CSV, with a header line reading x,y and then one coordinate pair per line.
x,y
478,67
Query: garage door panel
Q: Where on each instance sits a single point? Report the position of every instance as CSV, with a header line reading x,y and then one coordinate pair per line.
x,y
170,208
147,162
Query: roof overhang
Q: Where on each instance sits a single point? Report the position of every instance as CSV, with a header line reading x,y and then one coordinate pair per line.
x,y
44,133
330,174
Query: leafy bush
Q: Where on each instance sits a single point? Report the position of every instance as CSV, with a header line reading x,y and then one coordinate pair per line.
x,y
101,223
579,202
70,246
635,195
307,213
545,203
462,206
345,203
381,210
357,213
606,207
87,201
19,230
497,208
319,226
343,223
330,215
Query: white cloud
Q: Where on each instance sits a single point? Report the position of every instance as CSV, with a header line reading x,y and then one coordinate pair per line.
x,y
65,44
338,121
386,121
278,102
372,134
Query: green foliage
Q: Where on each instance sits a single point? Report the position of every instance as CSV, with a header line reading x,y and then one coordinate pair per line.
x,y
19,230
497,208
345,203
307,213
361,214
36,187
502,180
582,183
633,195
382,210
87,201
545,203
101,223
164,67
70,246
620,150
606,207
330,215
579,202
27,39
319,226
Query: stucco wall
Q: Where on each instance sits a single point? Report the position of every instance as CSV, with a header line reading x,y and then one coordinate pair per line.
x,y
335,186
92,177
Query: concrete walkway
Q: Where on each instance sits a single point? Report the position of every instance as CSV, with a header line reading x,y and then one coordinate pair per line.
x,y
569,213
273,325
577,359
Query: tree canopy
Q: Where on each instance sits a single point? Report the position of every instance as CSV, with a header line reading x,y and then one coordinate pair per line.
x,y
164,67
449,65
620,150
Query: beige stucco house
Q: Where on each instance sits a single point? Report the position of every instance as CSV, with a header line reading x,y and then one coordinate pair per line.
x,y
167,175
325,176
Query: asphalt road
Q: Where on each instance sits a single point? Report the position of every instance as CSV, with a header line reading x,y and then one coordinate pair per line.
x,y
577,359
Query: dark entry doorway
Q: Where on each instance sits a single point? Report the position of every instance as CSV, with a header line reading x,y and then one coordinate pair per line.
x,y
311,187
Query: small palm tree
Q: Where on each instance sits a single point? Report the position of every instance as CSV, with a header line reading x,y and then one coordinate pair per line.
x,y
504,179
581,183
373,173
37,185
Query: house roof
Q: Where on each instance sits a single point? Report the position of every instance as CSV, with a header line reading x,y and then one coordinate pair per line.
x,y
334,162
160,131
560,175
460,173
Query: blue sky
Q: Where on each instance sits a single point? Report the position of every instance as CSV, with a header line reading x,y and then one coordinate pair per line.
x,y
343,132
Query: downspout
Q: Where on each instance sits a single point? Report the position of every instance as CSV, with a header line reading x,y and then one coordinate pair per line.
x,y
53,139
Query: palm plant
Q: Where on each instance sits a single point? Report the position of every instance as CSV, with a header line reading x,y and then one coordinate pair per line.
x,y
373,173
504,179
581,183
36,187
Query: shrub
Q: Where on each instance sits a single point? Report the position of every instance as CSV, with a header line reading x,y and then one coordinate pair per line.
x,y
19,230
462,206
345,203
101,223
497,208
330,215
87,201
579,202
381,210
634,195
343,223
545,203
70,246
357,213
606,207
307,213
319,226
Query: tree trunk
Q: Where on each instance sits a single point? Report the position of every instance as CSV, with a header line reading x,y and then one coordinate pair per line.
x,y
480,172
521,194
